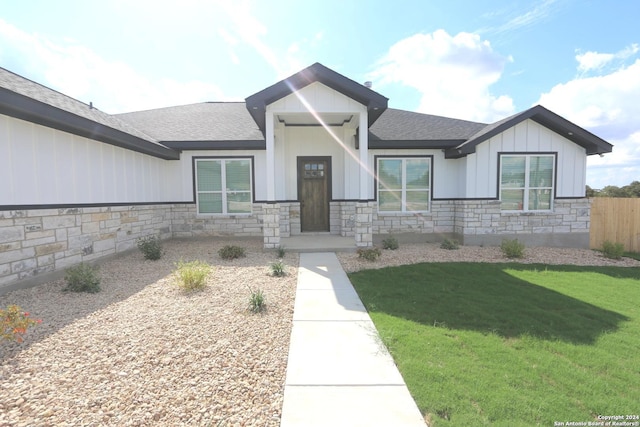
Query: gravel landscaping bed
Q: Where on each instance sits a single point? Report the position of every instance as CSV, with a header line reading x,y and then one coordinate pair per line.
x,y
431,252
144,352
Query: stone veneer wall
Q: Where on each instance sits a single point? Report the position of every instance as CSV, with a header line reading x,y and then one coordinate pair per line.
x,y
439,221
482,222
289,219
37,241
364,223
271,225
186,223
347,219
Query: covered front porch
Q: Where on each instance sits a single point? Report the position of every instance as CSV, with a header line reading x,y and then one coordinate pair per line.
x,y
316,126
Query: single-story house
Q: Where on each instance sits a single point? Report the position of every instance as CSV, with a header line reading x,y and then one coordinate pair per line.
x,y
314,153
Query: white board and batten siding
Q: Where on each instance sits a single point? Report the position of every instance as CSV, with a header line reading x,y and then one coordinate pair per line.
x,y
526,137
45,166
321,98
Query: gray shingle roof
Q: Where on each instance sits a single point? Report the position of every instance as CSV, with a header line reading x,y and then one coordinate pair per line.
x,y
400,125
207,121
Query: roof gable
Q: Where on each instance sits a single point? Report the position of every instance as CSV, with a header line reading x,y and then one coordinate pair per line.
x,y
574,133
256,104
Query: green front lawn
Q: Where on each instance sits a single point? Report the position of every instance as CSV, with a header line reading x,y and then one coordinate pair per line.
x,y
510,344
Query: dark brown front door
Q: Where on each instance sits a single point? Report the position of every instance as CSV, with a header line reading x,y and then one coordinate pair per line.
x,y
314,189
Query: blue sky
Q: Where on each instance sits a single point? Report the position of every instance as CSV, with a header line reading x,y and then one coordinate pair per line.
x,y
475,60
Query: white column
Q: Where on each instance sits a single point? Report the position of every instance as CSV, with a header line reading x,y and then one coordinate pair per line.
x,y
364,157
271,157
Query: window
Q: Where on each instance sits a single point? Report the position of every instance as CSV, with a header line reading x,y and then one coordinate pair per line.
x,y
404,184
526,182
223,186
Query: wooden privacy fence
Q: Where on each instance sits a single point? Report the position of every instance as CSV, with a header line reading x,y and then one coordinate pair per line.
x,y
616,220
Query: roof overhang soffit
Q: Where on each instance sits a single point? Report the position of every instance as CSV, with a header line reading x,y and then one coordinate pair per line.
x,y
257,103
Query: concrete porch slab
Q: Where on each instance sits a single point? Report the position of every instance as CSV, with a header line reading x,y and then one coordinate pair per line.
x,y
318,243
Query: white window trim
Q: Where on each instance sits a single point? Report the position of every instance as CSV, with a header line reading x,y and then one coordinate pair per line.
x,y
404,183
527,188
224,190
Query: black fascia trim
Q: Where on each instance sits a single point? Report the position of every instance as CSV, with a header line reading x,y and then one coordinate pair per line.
x,y
270,202
434,144
86,205
256,104
593,144
352,200
571,197
217,145
552,121
22,107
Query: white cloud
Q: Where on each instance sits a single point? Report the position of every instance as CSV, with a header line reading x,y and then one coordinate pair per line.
x,y
77,71
593,61
608,106
525,19
453,74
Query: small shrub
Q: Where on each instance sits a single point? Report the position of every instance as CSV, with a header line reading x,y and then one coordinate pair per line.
x,y
82,278
450,245
192,275
151,247
278,269
257,302
281,252
231,252
370,254
390,243
14,323
612,250
512,248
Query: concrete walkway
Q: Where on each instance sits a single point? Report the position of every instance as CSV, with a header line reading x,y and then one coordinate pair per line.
x,y
339,373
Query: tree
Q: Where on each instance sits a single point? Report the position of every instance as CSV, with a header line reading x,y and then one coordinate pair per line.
x,y
633,189
628,191
612,191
